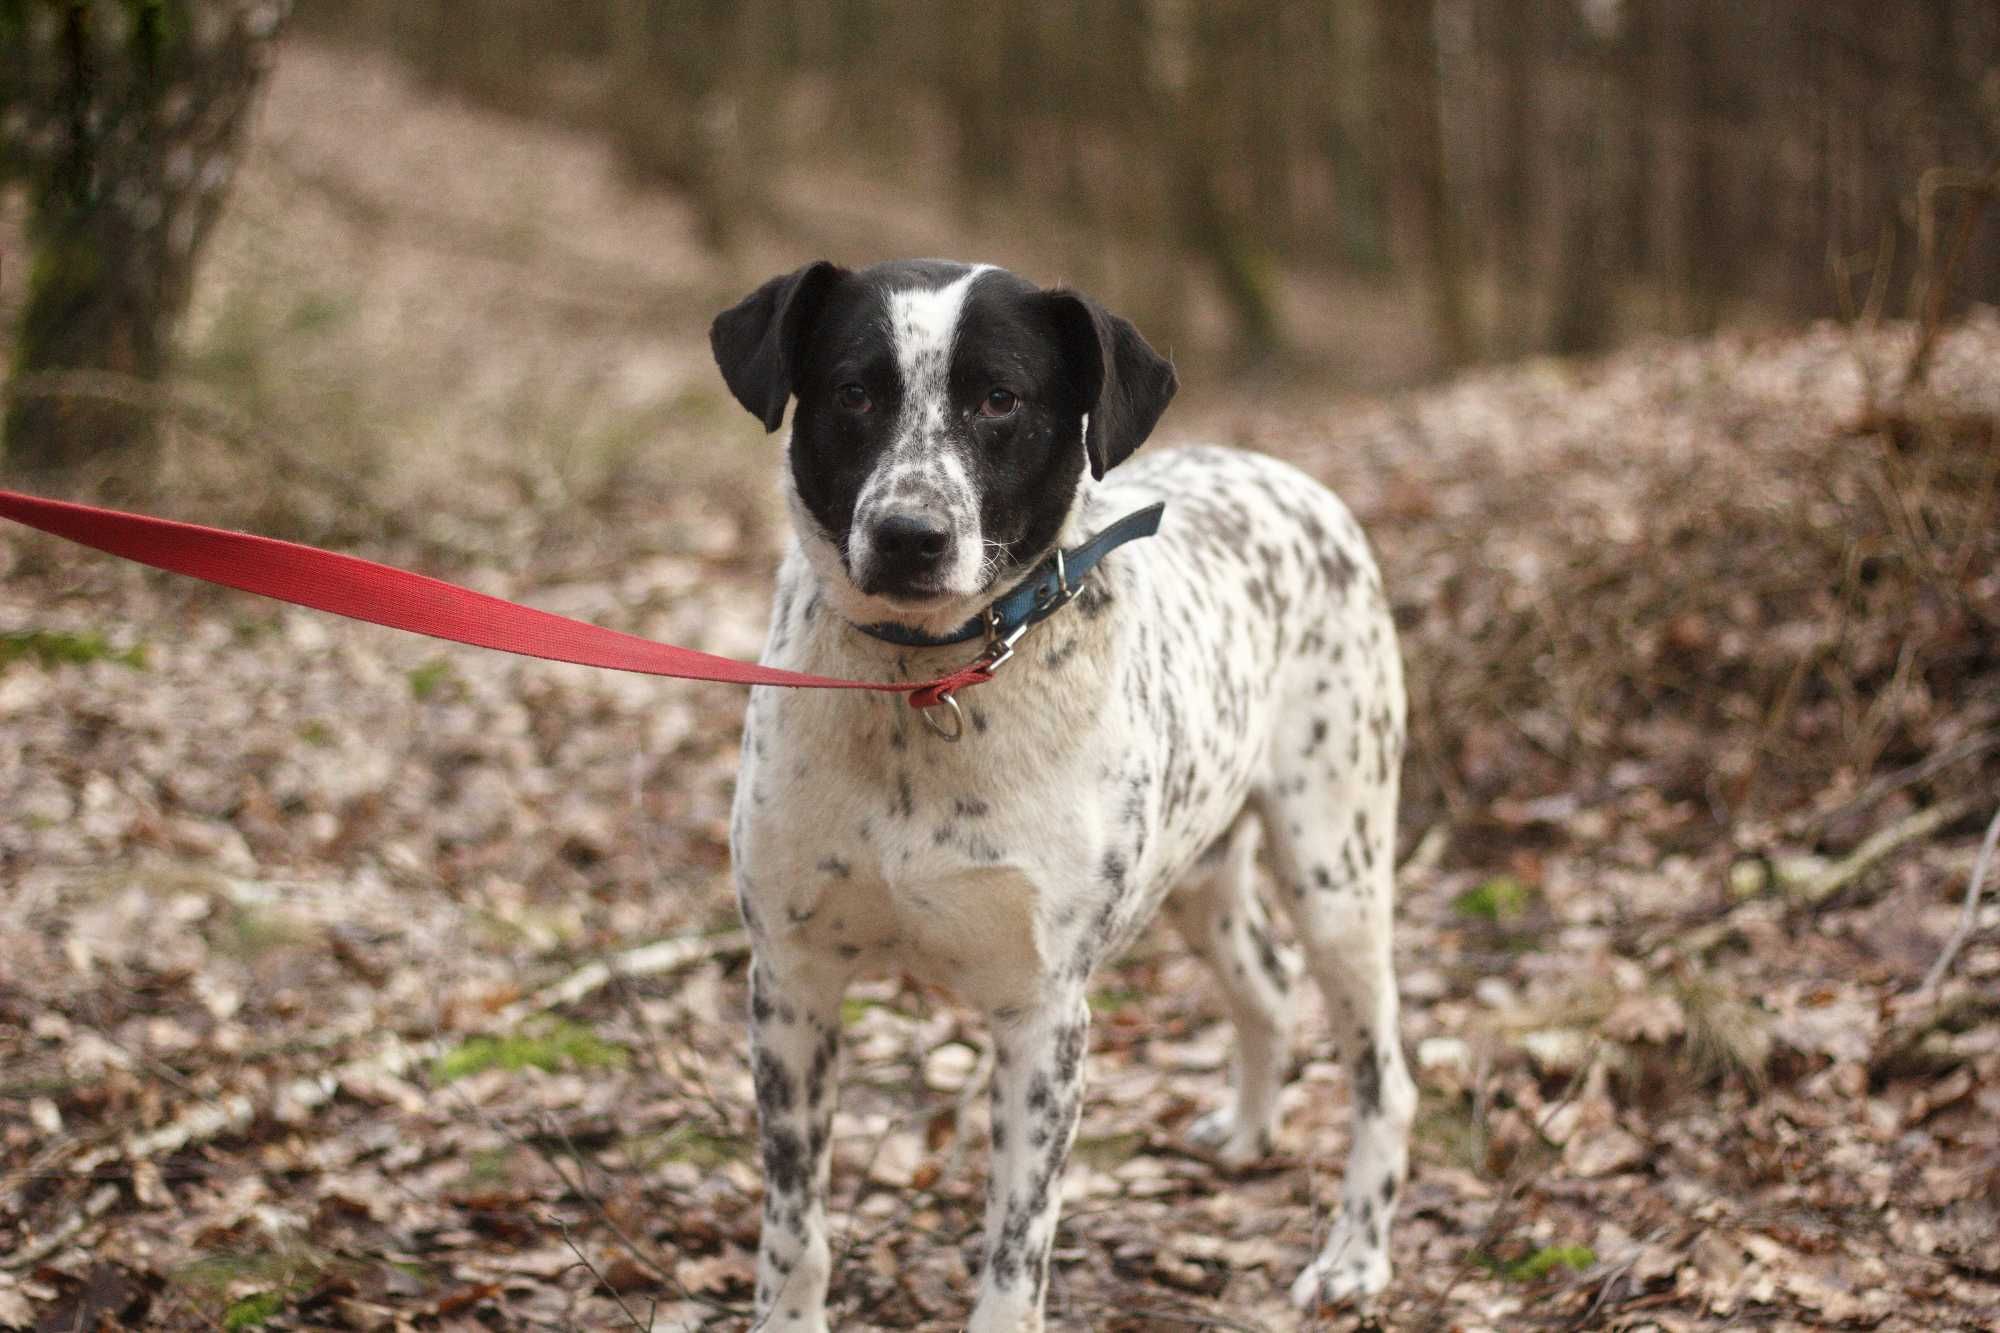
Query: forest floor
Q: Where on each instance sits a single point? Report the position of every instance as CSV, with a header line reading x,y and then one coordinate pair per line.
x,y
352,981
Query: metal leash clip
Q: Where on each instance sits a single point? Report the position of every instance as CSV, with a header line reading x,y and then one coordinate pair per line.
x,y
998,650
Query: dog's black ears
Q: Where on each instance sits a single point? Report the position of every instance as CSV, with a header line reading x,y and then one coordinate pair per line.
x,y
756,341
1125,384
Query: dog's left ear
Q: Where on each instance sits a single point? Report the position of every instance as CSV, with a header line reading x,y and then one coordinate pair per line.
x,y
1125,384
756,341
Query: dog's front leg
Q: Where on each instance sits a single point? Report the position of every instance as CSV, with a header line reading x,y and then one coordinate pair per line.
x,y
1037,1099
795,1059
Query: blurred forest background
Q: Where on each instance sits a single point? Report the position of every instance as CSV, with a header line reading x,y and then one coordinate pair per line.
x,y
349,980
1552,177
1272,184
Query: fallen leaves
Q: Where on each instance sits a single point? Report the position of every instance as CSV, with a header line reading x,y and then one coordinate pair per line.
x,y
326,990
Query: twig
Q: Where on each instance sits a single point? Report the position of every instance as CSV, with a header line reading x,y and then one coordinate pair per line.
x,y
1969,918
1425,856
1970,747
94,1207
580,1187
602,1281
394,1057
1601,1302
1877,847
975,1083
1979,191
1817,888
1192,1319
1503,1208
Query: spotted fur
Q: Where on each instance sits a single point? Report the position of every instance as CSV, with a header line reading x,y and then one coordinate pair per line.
x,y
1232,678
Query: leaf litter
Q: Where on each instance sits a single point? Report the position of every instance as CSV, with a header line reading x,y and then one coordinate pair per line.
x,y
349,984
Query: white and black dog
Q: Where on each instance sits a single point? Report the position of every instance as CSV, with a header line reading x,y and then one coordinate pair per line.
x,y
957,430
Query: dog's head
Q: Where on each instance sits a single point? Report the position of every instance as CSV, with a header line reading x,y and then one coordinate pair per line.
x,y
945,416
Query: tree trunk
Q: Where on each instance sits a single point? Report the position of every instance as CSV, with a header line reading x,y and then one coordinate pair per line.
x,y
1516,46
124,119
1356,140
1410,54
673,107
1581,317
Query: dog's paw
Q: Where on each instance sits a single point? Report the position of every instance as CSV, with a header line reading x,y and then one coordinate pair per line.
x,y
1235,1146
1347,1273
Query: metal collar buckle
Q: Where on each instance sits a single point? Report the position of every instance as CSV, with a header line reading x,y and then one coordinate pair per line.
x,y
999,649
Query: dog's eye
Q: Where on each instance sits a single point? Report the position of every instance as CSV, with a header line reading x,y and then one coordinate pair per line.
x,y
853,397
999,403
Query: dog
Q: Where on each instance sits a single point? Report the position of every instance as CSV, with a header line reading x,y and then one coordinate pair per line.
x,y
960,437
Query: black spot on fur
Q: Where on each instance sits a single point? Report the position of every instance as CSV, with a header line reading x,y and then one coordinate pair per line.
x,y
1367,1081
784,1162
774,1085
1114,871
1267,955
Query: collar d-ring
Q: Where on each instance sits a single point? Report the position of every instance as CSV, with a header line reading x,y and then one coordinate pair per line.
x,y
930,717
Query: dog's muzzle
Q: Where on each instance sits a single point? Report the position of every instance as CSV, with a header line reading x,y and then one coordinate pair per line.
x,y
906,553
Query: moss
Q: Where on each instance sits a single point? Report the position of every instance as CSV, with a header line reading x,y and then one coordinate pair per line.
x,y
1112,998
274,1278
1577,1258
51,648
699,1145
427,679
558,1045
1108,1151
1502,898
253,1311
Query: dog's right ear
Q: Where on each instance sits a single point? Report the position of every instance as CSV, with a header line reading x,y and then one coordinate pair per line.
x,y
757,340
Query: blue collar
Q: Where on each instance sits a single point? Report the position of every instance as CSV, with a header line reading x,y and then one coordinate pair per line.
x,y
1040,595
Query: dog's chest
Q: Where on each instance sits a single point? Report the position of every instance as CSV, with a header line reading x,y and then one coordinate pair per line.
x,y
862,836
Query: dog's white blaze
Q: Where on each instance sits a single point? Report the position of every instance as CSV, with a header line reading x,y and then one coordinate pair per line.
x,y
923,327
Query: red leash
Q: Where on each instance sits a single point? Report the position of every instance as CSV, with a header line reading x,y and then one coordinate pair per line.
x,y
384,595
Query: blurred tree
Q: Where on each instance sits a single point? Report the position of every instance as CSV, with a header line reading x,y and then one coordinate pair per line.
x,y
1581,315
1409,51
690,98
1356,138
1187,93
123,118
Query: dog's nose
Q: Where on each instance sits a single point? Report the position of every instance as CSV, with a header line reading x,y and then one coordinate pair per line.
x,y
908,546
